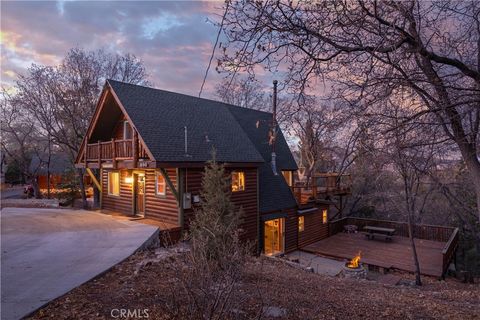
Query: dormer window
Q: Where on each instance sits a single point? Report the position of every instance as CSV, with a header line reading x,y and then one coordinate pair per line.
x,y
127,130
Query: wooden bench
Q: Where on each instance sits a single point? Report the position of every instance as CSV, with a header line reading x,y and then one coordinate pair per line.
x,y
371,232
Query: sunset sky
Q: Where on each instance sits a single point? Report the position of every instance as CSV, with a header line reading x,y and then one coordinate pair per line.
x,y
174,39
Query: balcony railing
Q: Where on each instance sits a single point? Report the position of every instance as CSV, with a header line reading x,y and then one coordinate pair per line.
x,y
322,184
113,150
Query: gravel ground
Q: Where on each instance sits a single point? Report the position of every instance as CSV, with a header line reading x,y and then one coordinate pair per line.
x,y
269,288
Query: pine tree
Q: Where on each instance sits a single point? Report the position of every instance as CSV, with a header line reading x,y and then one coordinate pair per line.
x,y
214,232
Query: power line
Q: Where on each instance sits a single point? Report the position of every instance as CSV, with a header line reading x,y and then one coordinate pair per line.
x,y
214,47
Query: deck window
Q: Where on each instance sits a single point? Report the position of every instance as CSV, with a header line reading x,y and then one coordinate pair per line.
x,y
288,175
127,130
301,223
114,183
324,216
160,186
238,181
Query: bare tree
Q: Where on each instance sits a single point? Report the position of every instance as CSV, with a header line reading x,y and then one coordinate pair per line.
x,y
244,92
62,98
21,139
316,126
366,49
413,165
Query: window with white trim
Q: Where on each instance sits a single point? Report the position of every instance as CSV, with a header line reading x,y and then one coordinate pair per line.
x,y
114,183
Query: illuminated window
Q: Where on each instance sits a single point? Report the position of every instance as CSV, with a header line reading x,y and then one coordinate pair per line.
x,y
238,181
324,216
288,175
160,186
114,183
301,223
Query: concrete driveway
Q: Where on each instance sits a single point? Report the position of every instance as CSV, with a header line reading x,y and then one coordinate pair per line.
x,y
48,252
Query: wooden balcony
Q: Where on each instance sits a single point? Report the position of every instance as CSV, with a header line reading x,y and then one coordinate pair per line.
x,y
114,150
322,185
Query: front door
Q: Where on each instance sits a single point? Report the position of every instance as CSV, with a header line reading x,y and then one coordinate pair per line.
x,y
274,236
139,194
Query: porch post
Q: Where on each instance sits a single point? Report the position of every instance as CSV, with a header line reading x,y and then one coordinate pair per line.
x,y
135,148
114,155
180,190
99,154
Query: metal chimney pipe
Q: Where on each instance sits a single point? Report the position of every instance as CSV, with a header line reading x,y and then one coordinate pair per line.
x,y
275,82
186,140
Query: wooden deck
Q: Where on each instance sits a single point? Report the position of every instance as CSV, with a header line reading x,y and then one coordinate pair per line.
x,y
395,254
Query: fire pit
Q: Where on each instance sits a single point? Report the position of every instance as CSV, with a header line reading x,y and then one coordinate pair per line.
x,y
354,269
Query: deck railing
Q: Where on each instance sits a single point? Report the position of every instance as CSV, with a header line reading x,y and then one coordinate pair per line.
x,y
113,150
449,250
320,185
449,235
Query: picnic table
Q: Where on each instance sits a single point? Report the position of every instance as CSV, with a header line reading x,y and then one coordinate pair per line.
x,y
371,232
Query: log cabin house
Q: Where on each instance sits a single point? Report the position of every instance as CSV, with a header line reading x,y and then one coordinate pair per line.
x,y
148,148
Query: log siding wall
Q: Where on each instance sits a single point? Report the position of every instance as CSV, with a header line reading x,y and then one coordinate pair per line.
x,y
160,208
315,230
157,207
246,199
291,230
121,203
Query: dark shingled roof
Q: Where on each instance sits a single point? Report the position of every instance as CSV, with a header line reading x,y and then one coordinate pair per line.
x,y
275,194
161,116
238,135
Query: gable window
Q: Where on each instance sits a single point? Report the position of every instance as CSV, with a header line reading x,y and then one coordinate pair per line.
x,y
238,181
288,175
114,183
301,223
160,185
127,130
324,216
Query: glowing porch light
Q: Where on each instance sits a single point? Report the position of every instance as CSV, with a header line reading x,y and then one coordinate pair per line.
x,y
129,179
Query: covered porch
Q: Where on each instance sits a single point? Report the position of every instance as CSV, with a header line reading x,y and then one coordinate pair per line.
x,y
435,246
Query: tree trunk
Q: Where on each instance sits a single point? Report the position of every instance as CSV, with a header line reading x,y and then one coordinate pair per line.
x,y
48,167
467,148
36,188
474,167
418,280
82,188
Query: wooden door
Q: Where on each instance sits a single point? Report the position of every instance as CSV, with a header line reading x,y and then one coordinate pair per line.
x,y
139,195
